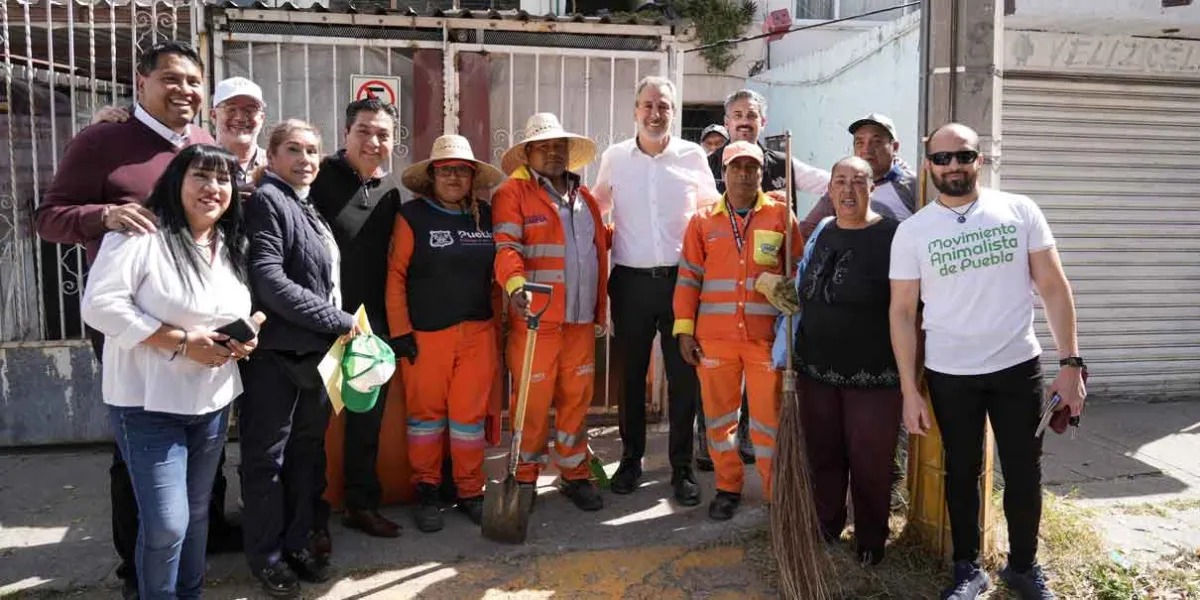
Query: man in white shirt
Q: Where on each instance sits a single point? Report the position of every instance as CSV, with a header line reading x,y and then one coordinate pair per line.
x,y
975,258
651,185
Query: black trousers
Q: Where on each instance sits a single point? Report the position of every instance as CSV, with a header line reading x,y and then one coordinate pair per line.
x,y
1011,399
641,307
283,460
124,503
361,451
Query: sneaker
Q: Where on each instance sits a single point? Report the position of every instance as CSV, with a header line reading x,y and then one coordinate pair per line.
x,y
472,507
969,582
583,493
1029,585
428,513
279,581
723,505
308,566
628,474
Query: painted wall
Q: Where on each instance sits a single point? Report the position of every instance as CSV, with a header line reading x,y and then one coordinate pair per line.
x,y
1107,17
818,96
50,394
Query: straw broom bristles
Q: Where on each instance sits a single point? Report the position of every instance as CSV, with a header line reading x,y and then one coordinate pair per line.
x,y
795,534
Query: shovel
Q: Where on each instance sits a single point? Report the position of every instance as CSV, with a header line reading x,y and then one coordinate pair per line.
x,y
506,504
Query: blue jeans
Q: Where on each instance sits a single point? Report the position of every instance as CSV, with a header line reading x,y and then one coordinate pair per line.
x,y
172,460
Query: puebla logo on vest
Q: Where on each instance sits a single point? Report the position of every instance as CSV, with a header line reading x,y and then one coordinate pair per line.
x,y
536,220
440,239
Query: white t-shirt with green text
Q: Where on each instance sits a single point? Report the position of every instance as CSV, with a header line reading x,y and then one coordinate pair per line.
x,y
975,280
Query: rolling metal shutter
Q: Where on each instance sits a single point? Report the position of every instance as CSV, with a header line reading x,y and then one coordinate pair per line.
x,y
1116,168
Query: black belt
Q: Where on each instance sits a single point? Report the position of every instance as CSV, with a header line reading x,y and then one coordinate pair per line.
x,y
655,272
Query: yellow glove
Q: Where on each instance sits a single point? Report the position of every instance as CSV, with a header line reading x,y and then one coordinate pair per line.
x,y
780,292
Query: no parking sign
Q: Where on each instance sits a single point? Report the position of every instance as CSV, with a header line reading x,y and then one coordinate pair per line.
x,y
385,88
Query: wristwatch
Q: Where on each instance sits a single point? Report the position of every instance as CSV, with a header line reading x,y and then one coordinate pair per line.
x,y
1072,361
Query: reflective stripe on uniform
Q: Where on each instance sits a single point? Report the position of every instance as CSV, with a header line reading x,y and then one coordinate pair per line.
x,y
546,276
426,432
717,308
534,458
723,420
697,269
568,462
513,229
566,439
511,245
688,282
763,451
723,445
719,285
756,308
544,251
755,425
462,432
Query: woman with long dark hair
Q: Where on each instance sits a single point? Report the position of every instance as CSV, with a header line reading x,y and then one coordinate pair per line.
x,y
294,268
169,377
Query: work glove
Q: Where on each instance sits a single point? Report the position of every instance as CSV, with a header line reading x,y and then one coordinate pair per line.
x,y
405,346
780,292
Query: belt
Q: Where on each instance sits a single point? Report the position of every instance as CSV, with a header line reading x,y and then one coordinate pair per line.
x,y
655,272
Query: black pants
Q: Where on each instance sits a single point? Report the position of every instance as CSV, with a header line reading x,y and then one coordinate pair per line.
x,y
283,460
124,502
1011,399
641,307
361,451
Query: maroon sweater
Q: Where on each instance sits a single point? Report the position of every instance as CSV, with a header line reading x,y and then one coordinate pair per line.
x,y
106,163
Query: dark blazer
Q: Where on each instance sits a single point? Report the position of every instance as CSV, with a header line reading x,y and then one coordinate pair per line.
x,y
290,272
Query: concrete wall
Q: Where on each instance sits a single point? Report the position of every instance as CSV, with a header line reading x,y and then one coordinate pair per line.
x,y
1107,17
818,96
50,394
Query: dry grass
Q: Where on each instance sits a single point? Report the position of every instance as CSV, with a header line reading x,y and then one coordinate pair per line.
x,y
1072,552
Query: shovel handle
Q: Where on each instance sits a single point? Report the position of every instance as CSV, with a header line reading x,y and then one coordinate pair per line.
x,y
533,318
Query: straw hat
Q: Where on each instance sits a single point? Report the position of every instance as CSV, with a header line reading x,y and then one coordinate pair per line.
x,y
545,126
450,147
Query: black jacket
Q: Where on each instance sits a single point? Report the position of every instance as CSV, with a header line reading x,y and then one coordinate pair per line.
x,y
362,215
290,273
774,172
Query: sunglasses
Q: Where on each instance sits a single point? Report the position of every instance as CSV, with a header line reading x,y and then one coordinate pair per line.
x,y
964,157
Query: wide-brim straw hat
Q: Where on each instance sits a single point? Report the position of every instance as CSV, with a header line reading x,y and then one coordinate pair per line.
x,y
450,147
545,126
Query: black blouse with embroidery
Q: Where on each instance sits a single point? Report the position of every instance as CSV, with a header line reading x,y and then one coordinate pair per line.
x,y
843,338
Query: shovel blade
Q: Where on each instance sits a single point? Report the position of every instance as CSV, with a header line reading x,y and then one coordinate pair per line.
x,y
506,507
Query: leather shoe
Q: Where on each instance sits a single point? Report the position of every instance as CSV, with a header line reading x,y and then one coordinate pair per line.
x,y
371,523
308,567
320,543
723,505
279,581
583,493
625,480
687,492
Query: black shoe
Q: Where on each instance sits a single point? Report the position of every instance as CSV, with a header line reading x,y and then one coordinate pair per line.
x,y
1030,585
583,493
308,566
704,463
472,507
687,493
428,513
129,588
625,480
224,539
320,543
969,582
870,557
723,505
279,581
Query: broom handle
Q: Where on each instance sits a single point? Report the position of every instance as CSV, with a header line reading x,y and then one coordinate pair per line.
x,y
787,235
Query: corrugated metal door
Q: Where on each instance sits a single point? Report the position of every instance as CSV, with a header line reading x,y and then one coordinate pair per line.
x,y
1114,166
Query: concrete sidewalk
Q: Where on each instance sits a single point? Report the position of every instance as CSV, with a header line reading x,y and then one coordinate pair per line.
x,y
55,533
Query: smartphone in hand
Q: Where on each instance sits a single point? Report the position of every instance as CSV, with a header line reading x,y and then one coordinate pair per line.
x,y
243,330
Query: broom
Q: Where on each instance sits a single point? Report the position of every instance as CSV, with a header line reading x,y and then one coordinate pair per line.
x,y
795,533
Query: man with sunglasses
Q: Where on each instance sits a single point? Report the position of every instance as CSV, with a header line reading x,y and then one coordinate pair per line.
x,y
975,258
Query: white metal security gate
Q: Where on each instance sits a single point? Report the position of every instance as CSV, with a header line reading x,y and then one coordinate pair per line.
x,y
1113,164
61,62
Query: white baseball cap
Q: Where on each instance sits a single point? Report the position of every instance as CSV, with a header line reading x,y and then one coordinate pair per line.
x,y
237,86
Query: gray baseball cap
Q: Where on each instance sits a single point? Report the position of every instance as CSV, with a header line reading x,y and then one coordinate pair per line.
x,y
877,119
714,128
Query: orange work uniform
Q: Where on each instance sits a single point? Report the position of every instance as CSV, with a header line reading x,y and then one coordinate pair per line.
x,y
531,245
715,301
440,289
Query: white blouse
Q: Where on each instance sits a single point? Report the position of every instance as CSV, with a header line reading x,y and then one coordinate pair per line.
x,y
134,288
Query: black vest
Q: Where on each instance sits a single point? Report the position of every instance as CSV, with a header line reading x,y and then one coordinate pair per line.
x,y
774,173
450,272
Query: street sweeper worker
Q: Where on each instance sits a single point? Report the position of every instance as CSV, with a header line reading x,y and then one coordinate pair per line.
x,y
439,312
548,230
725,327
975,258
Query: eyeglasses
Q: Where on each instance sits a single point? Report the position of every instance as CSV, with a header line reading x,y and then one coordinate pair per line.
x,y
458,170
241,111
964,157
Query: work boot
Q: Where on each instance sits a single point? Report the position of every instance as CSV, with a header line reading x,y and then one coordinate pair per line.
x,y
969,582
427,514
1030,585
628,474
308,566
278,580
723,505
472,507
320,543
583,493
687,493
371,523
